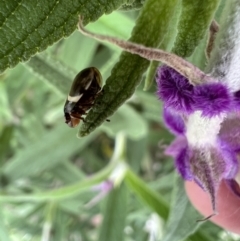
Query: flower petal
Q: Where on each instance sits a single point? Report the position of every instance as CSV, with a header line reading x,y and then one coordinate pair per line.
x,y
173,121
174,89
210,165
176,146
231,162
179,150
237,99
183,165
212,99
230,132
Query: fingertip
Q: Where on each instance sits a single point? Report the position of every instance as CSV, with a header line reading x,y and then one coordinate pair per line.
x,y
228,205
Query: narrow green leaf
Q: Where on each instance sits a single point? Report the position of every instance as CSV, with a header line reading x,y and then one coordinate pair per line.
x,y
182,219
150,75
147,195
58,75
5,110
194,21
220,10
5,138
114,214
16,89
63,192
207,232
28,27
127,73
75,188
198,58
56,146
201,236
166,44
4,234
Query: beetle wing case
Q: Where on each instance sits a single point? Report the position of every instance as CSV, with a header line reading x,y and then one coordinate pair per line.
x,y
85,88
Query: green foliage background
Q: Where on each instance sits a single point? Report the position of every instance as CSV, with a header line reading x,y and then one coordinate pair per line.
x,y
47,174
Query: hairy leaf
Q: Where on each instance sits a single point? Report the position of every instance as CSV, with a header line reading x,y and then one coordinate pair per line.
x,y
29,27
150,29
195,18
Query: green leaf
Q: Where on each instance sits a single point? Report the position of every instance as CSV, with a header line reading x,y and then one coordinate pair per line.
x,y
115,213
182,219
209,232
3,229
28,27
56,146
127,73
65,192
5,110
198,58
132,5
195,19
56,74
166,44
147,195
150,75
59,152
5,139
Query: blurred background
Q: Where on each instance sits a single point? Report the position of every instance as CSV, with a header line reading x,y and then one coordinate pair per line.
x,y
40,154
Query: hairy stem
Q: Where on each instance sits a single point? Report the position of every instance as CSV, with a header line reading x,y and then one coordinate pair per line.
x,y
213,29
191,72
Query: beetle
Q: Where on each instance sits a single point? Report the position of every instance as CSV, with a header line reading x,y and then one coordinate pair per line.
x,y
86,86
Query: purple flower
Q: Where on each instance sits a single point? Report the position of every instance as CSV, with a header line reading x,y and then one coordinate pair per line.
x,y
174,121
176,93
212,99
207,137
174,90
